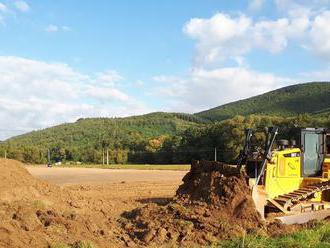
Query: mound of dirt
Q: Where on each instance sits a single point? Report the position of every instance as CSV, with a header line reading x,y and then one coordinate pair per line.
x,y
17,184
214,202
34,213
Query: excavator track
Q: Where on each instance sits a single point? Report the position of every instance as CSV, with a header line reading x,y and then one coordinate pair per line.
x,y
290,201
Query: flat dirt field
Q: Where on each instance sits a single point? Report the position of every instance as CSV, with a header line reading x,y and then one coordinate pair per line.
x,y
67,176
111,191
123,189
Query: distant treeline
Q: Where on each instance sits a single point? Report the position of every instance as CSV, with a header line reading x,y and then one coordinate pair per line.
x,y
158,138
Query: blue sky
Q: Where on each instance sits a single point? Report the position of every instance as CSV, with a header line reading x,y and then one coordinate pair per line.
x,y
62,60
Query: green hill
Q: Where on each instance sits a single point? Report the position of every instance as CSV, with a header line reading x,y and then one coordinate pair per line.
x,y
112,131
85,139
312,98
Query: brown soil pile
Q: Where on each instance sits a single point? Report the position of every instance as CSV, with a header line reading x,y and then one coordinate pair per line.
x,y
214,202
16,183
34,213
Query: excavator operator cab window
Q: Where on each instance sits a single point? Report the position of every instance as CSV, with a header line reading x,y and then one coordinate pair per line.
x,y
313,152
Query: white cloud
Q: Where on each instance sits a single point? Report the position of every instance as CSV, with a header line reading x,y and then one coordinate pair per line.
x,y
219,37
37,94
22,6
227,37
108,94
109,77
320,35
51,28
316,76
203,89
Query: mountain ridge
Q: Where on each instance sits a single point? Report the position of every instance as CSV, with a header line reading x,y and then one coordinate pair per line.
x,y
304,98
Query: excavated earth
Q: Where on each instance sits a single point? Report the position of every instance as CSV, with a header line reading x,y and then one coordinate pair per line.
x,y
34,213
213,203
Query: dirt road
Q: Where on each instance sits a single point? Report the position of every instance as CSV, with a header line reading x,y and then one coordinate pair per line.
x,y
69,176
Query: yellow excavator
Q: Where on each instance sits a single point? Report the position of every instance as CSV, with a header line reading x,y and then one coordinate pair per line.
x,y
290,180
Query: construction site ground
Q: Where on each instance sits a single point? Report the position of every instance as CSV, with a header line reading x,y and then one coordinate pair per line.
x,y
65,207
66,176
124,190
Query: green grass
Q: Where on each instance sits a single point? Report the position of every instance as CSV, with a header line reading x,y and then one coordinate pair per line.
x,y
175,167
318,237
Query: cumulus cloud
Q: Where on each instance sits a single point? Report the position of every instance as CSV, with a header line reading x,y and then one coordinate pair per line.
x,y
22,6
320,35
203,89
219,37
223,36
37,94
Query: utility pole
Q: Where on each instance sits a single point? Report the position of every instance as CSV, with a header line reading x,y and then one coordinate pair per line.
x,y
5,154
102,156
48,156
215,154
107,156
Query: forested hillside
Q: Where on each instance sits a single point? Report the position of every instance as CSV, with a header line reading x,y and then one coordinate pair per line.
x,y
86,139
311,98
176,137
180,144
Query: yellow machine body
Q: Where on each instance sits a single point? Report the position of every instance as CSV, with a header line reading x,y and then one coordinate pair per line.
x,y
283,173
